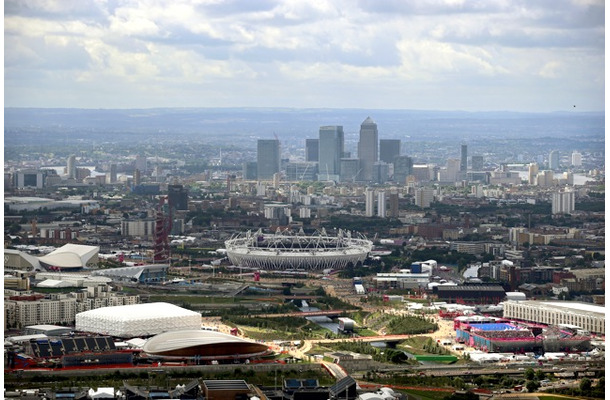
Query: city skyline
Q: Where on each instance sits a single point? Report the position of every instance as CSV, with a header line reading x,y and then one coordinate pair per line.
x,y
433,55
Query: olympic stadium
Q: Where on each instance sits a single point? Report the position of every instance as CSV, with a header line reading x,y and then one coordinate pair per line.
x,y
204,345
285,250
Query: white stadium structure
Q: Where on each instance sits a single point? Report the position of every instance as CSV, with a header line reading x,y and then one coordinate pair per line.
x,y
205,345
137,320
284,250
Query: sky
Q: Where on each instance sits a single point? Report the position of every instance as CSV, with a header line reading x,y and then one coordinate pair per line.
x,y
473,55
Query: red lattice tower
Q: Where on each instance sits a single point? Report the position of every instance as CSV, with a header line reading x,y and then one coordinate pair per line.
x,y
163,226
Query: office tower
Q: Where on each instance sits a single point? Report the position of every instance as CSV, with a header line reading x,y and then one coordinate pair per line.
x,y
368,148
267,158
330,152
301,171
350,170
71,167
424,197
532,173
312,149
451,171
563,202
381,203
545,178
136,177
554,160
381,172
177,196
388,149
393,204
113,173
369,198
464,159
423,172
477,163
249,170
403,167
576,159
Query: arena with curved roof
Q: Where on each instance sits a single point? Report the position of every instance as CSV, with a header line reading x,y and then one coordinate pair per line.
x,y
205,345
285,250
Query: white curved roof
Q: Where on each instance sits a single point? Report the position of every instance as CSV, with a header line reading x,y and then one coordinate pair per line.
x,y
70,256
176,340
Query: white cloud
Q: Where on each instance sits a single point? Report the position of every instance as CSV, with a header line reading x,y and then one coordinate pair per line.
x,y
163,52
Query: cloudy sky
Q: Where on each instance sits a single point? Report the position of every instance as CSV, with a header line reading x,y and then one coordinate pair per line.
x,y
476,55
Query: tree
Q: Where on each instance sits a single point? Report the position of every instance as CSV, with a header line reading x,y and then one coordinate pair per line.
x,y
459,383
585,385
532,386
529,374
540,375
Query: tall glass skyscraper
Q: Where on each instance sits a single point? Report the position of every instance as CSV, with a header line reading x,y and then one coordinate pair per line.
x,y
267,158
312,149
331,145
368,148
464,159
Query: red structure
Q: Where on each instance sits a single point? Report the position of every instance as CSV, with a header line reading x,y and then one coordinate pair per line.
x,y
163,226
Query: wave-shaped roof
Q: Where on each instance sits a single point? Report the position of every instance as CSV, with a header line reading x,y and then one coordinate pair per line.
x,y
203,343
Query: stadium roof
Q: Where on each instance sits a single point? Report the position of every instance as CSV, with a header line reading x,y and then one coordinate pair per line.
x,y
70,256
202,343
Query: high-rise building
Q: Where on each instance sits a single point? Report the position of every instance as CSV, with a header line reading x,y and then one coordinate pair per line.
x,y
136,177
113,173
301,171
545,178
388,150
312,149
532,173
368,148
394,204
350,170
403,167
381,206
71,167
424,197
464,158
249,170
381,172
267,158
554,160
477,163
369,201
563,202
330,152
451,171
177,196
576,159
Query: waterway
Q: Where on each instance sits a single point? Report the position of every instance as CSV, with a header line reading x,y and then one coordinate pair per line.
x,y
323,321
